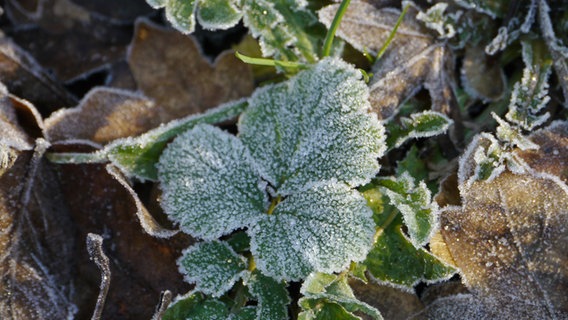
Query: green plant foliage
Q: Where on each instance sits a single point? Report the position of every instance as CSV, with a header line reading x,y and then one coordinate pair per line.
x,y
530,95
419,125
271,295
282,26
196,306
394,259
328,296
138,156
414,201
304,144
214,267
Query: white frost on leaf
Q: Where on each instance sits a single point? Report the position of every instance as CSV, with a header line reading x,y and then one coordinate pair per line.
x,y
213,266
209,183
307,145
435,18
419,212
323,229
314,127
423,125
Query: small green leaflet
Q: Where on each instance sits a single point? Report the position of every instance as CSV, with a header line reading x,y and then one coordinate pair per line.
x,y
213,266
305,144
271,295
328,296
137,157
196,306
419,125
394,259
280,25
414,201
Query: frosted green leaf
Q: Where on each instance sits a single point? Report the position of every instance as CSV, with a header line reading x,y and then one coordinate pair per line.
x,y
320,229
314,127
281,28
396,261
271,295
210,187
157,4
436,19
284,27
138,156
246,313
419,125
213,266
414,201
330,294
530,95
181,13
218,14
196,306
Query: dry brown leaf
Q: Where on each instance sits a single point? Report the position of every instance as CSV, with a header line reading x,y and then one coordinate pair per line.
x,y
24,77
482,76
125,11
67,38
510,241
36,260
170,68
553,146
414,58
142,266
103,115
393,303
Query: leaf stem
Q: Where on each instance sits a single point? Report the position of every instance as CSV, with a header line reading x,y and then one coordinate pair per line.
x,y
393,32
333,28
273,204
74,157
269,62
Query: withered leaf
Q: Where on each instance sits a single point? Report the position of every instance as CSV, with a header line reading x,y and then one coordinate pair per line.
x,y
25,77
169,67
414,59
142,266
103,115
35,264
125,11
66,38
481,75
510,241
553,146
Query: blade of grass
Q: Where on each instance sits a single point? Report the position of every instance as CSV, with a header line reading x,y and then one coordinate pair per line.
x,y
393,32
333,28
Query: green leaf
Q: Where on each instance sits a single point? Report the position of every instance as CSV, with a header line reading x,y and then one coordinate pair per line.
x,y
157,4
209,182
196,306
213,185
414,201
181,13
281,28
397,261
326,311
419,125
530,95
213,266
245,313
218,14
320,229
314,127
271,295
138,156
324,293
413,165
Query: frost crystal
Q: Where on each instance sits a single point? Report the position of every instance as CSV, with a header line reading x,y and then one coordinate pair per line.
x,y
435,19
306,143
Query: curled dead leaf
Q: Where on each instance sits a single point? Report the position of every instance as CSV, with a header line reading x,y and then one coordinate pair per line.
x,y
510,241
170,68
